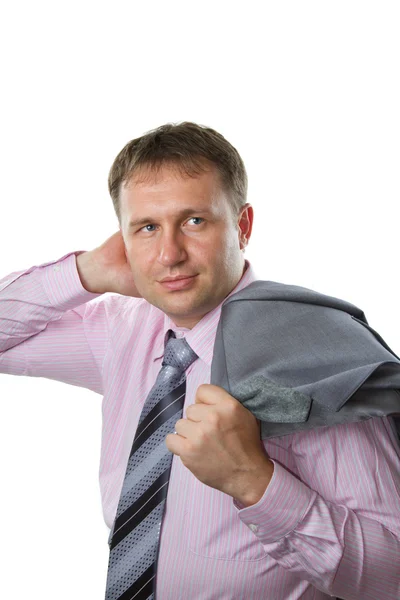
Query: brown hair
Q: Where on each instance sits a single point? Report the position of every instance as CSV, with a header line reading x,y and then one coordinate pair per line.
x,y
189,147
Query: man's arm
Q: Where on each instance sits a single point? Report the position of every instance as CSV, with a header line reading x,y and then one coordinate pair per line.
x,y
337,524
46,325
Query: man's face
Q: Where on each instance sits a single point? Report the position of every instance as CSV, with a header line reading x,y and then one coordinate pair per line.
x,y
183,227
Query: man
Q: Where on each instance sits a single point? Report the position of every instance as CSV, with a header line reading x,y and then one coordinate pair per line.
x,y
309,515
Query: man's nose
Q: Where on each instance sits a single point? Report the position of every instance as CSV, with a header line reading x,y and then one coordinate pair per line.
x,y
172,249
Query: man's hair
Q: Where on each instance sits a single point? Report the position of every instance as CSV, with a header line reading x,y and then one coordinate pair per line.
x,y
192,149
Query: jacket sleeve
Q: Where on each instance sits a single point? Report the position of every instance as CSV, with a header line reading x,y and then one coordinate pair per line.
x,y
334,518
49,328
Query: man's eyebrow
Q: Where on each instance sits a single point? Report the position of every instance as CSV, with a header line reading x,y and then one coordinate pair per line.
x,y
183,213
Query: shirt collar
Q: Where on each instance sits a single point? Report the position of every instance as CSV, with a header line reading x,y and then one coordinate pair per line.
x,y
202,337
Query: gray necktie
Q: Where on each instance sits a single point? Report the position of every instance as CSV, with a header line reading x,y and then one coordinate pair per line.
x,y
134,538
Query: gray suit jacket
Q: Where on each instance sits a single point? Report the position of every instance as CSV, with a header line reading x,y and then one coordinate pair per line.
x,y
298,359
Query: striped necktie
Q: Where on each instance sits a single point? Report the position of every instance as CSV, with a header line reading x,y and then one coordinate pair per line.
x,y
134,538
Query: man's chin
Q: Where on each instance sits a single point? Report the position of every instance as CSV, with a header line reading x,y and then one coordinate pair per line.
x,y
180,308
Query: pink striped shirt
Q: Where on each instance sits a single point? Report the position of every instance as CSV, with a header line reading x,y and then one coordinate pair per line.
x,y
328,523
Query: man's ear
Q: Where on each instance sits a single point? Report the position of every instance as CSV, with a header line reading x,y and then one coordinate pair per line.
x,y
245,224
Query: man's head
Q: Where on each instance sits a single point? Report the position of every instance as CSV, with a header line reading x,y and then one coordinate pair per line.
x,y
179,193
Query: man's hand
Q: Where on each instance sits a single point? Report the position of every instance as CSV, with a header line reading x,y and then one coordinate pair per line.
x,y
106,268
219,442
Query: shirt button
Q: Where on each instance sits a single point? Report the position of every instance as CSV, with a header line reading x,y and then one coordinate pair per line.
x,y
253,527
56,268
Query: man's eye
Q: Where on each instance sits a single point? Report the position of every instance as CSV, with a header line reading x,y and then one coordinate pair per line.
x,y
196,218
151,224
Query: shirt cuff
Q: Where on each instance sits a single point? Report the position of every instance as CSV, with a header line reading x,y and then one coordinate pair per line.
x,y
283,505
62,283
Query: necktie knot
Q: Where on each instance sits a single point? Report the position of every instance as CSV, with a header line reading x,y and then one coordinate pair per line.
x,y
178,353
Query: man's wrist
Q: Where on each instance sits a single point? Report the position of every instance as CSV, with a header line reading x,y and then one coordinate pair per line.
x,y
86,271
254,486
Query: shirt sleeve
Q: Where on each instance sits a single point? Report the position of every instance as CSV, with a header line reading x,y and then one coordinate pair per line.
x,y
49,328
336,524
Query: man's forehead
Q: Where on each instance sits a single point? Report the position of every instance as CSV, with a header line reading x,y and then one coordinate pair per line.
x,y
153,196
188,192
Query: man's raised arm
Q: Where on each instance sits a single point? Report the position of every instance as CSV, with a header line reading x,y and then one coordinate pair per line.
x,y
48,328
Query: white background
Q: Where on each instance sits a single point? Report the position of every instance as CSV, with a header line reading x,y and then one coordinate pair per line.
x,y
308,92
